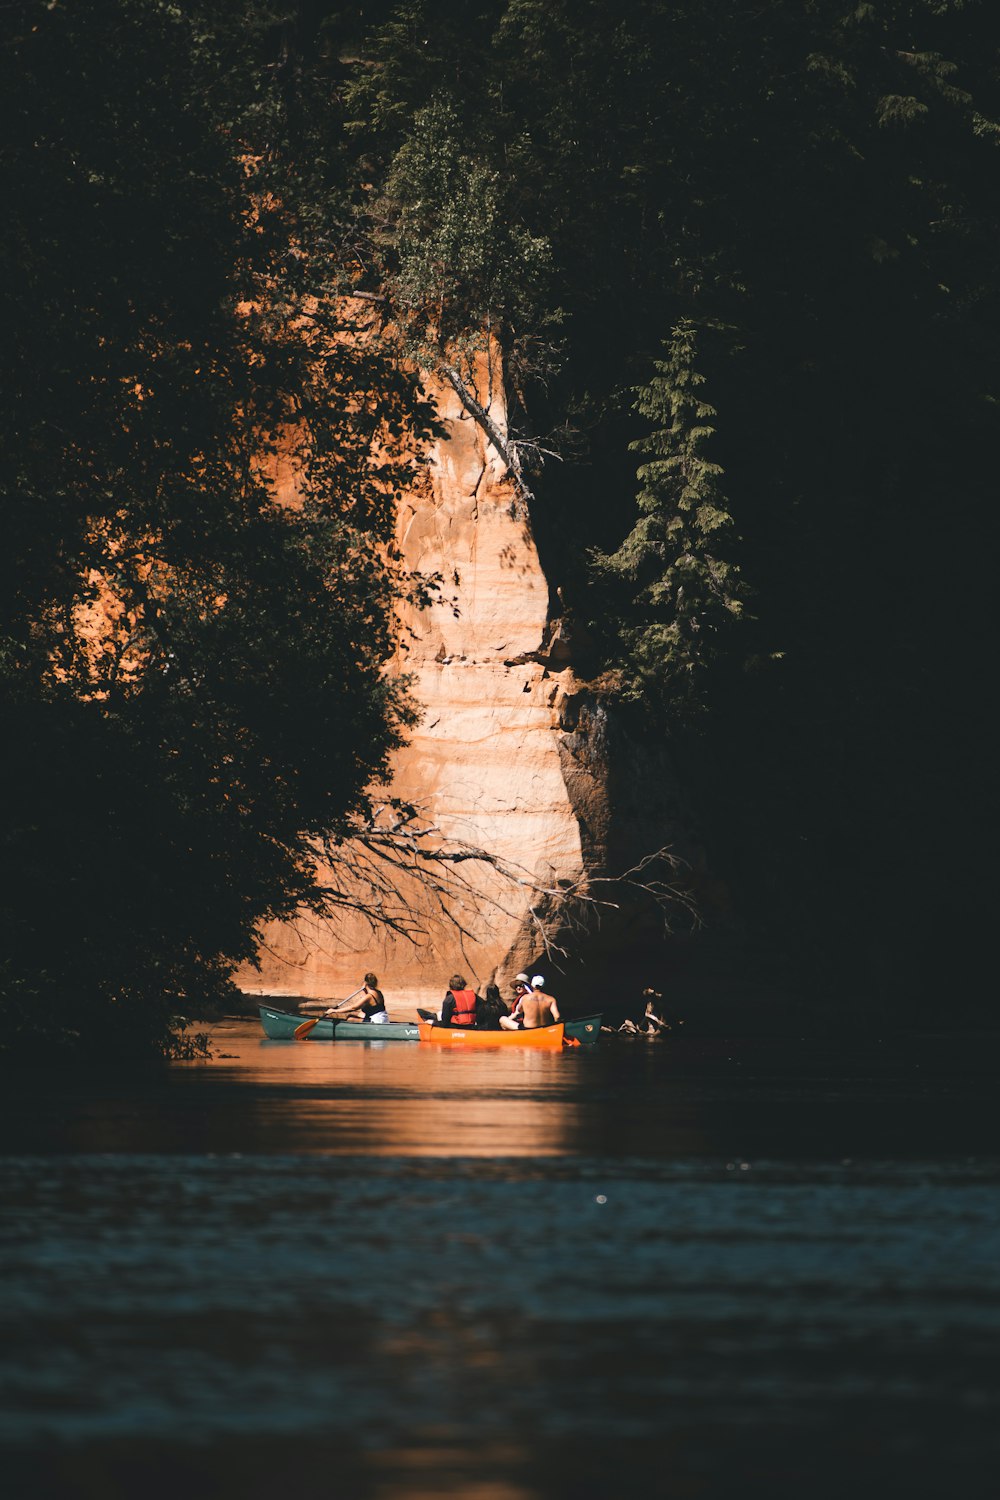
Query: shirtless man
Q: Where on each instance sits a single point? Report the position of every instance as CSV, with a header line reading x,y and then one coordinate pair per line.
x,y
537,1008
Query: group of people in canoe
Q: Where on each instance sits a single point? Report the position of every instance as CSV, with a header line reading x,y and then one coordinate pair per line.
x,y
530,1006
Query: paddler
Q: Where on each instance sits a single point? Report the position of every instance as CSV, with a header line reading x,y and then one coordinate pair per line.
x,y
371,1006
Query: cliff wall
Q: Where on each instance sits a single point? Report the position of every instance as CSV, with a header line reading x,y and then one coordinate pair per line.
x,y
487,765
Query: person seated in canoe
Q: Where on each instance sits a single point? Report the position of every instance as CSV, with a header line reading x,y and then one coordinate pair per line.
x,y
522,987
371,1006
537,1009
460,1005
490,1010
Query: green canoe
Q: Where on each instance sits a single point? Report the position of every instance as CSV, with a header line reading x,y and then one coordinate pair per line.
x,y
583,1029
279,1026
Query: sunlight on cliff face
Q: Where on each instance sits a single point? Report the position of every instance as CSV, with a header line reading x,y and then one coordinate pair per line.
x,y
483,765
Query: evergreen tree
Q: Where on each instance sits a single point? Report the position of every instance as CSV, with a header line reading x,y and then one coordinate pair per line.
x,y
683,591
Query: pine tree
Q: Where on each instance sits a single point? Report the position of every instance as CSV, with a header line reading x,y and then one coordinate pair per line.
x,y
684,591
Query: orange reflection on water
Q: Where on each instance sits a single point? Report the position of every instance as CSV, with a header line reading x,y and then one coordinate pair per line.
x,y
428,1473
399,1098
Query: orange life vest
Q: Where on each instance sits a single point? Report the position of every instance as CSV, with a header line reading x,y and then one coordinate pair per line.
x,y
465,1007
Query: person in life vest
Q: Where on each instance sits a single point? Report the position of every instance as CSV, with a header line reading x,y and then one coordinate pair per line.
x,y
522,987
537,1008
459,1007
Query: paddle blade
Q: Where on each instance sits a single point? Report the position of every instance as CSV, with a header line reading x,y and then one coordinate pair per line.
x,y
305,1028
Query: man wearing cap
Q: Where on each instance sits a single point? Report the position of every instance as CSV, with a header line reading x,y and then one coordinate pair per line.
x,y
536,1008
522,987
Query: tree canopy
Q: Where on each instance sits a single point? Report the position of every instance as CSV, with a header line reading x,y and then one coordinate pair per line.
x,y
740,261
200,459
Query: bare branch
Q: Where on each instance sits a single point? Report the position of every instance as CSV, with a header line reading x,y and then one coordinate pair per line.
x,y
374,872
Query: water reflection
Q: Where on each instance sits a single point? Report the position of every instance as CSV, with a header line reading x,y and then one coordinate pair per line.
x,y
395,1098
382,1271
574,1319
736,1101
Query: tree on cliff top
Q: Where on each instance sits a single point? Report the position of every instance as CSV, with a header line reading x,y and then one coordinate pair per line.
x,y
459,272
450,250
191,667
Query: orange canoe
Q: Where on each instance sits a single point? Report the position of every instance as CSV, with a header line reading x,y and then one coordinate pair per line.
x,y
468,1036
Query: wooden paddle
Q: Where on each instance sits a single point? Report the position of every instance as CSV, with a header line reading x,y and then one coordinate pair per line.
x,y
307,1026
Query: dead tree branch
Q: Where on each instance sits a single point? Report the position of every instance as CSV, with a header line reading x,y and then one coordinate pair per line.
x,y
508,448
399,873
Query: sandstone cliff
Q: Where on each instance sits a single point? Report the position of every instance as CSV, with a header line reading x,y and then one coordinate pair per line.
x,y
511,755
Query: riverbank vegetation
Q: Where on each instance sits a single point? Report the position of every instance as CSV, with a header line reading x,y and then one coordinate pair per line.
x,y
740,260
200,469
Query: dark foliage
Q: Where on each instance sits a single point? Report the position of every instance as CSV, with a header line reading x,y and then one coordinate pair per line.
x,y
748,249
797,205
190,664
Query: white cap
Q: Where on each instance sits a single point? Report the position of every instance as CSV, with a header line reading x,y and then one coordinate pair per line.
x,y
538,981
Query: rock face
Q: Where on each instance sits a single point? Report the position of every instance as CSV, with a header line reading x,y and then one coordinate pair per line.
x,y
513,756
486,765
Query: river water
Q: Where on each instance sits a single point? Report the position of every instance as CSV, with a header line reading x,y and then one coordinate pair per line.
x,y
694,1269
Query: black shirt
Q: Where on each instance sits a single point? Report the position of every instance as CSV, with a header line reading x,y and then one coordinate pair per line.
x,y
372,1004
